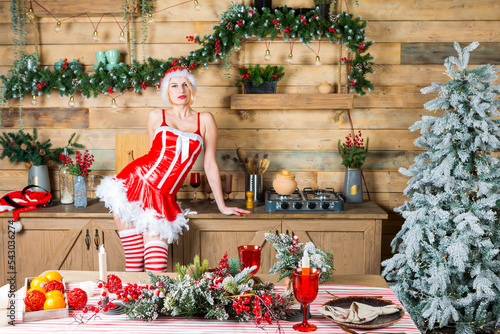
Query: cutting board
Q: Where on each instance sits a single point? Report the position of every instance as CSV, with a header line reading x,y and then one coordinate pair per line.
x,y
129,147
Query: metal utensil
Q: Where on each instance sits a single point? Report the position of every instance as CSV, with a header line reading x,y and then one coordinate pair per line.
x,y
331,294
347,330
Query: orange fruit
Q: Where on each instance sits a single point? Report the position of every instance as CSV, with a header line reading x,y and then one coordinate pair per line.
x,y
39,288
54,302
39,281
54,293
53,276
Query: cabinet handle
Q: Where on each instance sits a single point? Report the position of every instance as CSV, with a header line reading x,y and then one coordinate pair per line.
x,y
287,233
277,233
96,239
87,239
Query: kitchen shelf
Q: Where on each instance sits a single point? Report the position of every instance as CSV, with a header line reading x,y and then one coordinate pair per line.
x,y
291,101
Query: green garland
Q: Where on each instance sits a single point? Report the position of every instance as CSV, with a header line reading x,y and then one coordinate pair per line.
x,y
238,23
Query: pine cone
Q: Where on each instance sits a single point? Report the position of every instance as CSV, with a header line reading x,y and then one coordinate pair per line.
x,y
42,152
278,26
132,81
230,26
75,82
334,18
24,147
27,165
366,65
133,69
50,163
358,67
13,144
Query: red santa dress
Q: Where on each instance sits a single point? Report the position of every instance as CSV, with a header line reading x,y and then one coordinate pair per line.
x,y
143,193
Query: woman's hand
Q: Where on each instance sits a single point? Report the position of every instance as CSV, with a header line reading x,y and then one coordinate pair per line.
x,y
234,211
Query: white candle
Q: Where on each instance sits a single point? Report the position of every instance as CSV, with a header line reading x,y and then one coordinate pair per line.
x,y
103,272
305,260
4,296
88,287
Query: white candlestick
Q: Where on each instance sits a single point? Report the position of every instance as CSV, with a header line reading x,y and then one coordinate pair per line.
x,y
103,272
88,287
305,260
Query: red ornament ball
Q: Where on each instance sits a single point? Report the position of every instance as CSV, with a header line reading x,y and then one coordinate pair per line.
x,y
114,283
77,299
54,285
34,300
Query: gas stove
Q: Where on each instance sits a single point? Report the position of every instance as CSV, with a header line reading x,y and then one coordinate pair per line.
x,y
308,199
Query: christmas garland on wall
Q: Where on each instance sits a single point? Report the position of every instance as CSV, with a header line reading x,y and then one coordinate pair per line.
x,y
237,24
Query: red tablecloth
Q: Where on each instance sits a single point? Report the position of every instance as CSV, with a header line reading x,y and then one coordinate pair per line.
x,y
121,324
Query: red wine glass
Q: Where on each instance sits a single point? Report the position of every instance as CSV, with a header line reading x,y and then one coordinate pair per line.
x,y
206,187
250,256
227,186
195,182
305,289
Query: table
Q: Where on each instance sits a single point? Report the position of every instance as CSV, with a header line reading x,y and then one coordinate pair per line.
x,y
341,286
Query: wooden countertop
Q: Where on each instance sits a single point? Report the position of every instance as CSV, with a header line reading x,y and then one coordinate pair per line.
x,y
133,277
207,210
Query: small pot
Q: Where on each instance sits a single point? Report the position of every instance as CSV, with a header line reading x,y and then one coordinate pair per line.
x,y
325,88
285,183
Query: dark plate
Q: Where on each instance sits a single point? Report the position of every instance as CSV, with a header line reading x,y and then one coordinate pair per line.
x,y
379,322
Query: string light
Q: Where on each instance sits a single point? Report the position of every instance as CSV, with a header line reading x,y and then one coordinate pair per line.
x,y
236,48
57,28
113,104
158,90
71,102
197,5
30,15
318,61
267,57
33,100
151,19
289,60
95,38
122,38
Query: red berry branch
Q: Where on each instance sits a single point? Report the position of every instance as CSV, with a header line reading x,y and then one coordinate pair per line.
x,y
81,166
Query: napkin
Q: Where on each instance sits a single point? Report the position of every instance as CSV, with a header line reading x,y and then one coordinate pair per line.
x,y
358,313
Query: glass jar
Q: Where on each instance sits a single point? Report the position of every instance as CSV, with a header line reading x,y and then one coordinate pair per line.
x,y
65,184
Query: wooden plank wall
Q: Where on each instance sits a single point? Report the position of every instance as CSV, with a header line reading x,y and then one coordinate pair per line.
x,y
412,39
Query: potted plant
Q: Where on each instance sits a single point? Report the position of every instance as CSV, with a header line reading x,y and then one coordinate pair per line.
x,y
324,7
37,156
260,80
80,168
353,154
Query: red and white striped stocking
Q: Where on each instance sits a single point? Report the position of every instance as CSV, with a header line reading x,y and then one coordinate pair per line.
x,y
133,247
156,256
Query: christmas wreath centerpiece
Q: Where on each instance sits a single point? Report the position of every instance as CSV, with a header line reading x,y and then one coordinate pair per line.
x,y
290,251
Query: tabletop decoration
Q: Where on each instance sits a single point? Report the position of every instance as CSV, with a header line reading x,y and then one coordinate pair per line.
x,y
290,251
250,256
80,168
353,153
305,290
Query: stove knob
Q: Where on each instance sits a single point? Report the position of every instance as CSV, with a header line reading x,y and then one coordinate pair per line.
x,y
284,205
311,205
297,205
325,206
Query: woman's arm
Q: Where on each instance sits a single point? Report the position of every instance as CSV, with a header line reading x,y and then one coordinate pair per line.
x,y
210,165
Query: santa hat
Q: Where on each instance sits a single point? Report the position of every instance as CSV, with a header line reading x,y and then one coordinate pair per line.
x,y
176,71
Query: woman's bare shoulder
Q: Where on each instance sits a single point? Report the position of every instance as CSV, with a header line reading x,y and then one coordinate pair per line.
x,y
207,117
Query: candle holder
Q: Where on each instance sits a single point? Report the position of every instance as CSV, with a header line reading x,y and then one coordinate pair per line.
x,y
250,256
305,290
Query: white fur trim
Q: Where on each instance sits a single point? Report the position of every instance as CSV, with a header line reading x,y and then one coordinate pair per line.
x,y
112,192
166,80
17,226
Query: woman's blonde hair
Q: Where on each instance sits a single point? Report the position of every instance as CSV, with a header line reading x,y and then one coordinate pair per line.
x,y
165,89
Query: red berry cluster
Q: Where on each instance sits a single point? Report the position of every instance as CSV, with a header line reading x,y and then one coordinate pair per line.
x,y
256,307
316,17
110,90
243,76
114,283
96,310
353,82
240,23
40,85
330,29
192,66
175,62
251,12
217,45
346,61
191,39
84,162
361,48
294,246
275,21
303,19
287,30
357,142
143,85
64,65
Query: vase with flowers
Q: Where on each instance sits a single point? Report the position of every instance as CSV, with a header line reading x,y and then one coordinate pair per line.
x,y
353,153
80,168
36,155
260,80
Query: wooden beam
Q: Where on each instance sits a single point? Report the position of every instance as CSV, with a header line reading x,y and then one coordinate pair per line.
x,y
76,118
291,101
435,53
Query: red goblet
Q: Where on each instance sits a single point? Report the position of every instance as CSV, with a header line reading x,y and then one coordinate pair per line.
x,y
305,289
250,256
195,182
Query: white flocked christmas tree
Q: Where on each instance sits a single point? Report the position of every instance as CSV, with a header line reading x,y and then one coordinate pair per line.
x,y
446,266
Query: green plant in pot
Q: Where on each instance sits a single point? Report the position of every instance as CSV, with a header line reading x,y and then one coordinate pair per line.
x,y
37,156
324,7
353,153
260,80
